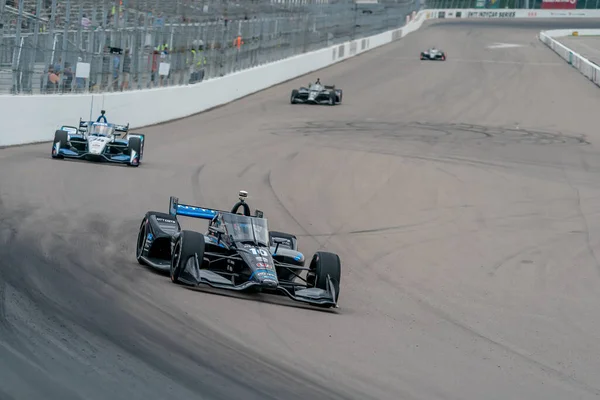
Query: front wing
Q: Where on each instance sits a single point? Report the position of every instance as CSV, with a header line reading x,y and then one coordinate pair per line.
x,y
321,99
85,155
194,276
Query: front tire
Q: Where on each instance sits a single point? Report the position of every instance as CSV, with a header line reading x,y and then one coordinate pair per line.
x,y
141,241
134,146
188,246
293,96
324,263
61,137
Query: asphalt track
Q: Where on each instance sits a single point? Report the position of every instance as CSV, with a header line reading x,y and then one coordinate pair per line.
x,y
461,196
586,46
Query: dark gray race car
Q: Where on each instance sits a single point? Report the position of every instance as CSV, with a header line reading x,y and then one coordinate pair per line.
x,y
316,93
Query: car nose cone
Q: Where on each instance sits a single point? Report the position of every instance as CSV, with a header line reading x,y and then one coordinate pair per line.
x,y
269,283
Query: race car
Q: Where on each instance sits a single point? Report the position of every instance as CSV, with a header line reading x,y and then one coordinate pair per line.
x,y
433,54
99,141
238,252
316,93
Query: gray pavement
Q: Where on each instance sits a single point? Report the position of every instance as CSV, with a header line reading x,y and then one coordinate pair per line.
x,y
461,197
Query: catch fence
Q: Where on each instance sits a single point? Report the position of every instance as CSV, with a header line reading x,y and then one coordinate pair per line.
x,y
74,46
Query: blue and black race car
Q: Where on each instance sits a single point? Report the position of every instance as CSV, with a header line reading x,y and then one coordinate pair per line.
x,y
238,252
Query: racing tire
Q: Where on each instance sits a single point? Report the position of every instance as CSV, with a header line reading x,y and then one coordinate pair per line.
x,y
135,144
293,240
141,241
332,99
293,96
341,94
63,138
324,263
189,244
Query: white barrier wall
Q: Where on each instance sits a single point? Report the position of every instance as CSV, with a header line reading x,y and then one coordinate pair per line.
x,y
29,119
582,64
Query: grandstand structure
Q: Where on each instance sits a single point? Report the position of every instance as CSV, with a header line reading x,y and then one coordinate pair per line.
x,y
76,46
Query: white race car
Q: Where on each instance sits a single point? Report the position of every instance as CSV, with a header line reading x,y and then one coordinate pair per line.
x,y
433,54
97,141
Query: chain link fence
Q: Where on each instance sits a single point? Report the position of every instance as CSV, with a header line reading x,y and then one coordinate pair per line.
x,y
75,46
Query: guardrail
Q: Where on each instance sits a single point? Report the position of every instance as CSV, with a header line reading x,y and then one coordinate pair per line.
x,y
44,113
587,68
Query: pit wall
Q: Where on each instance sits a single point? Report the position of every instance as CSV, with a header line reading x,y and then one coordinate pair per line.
x,y
586,67
31,119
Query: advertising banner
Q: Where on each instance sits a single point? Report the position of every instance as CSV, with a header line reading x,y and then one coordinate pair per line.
x,y
491,14
559,4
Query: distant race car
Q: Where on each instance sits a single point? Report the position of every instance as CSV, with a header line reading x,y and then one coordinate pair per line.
x,y
316,93
433,54
238,252
98,141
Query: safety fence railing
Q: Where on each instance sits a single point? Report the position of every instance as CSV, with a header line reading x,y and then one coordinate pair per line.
x,y
84,45
587,68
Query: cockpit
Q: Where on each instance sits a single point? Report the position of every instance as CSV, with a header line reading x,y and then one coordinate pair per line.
x,y
247,229
316,87
101,130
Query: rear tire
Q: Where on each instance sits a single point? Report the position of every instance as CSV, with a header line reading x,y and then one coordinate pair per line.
x,y
189,244
61,137
324,263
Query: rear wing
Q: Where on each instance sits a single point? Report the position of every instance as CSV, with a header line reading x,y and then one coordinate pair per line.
x,y
120,129
175,208
70,129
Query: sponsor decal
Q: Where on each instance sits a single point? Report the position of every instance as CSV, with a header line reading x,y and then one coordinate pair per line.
x,y
559,4
262,259
169,221
261,252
